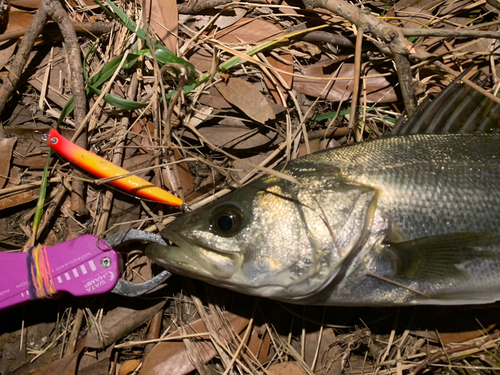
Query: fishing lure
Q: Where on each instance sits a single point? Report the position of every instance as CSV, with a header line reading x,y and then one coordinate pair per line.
x,y
103,168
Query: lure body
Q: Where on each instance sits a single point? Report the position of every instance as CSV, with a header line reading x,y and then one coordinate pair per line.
x,y
103,168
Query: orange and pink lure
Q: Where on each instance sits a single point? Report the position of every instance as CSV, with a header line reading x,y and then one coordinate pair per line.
x,y
102,168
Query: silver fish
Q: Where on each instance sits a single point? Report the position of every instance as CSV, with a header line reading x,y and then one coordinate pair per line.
x,y
402,220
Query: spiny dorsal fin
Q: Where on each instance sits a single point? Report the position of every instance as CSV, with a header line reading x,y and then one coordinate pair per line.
x,y
457,109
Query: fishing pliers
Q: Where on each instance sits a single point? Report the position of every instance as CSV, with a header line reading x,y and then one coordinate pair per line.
x,y
86,265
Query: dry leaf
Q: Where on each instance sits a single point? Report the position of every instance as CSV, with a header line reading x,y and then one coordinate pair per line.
x,y
184,175
6,147
172,358
287,368
314,146
64,366
242,169
247,98
457,337
453,337
18,199
259,343
56,92
29,4
119,322
14,177
214,99
127,368
288,78
250,31
240,137
379,89
254,31
309,49
164,20
329,357
18,20
141,267
138,162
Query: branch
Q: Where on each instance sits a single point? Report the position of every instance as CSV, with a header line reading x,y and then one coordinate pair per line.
x,y
399,46
451,33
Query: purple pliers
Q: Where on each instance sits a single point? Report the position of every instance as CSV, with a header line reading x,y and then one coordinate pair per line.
x,y
84,266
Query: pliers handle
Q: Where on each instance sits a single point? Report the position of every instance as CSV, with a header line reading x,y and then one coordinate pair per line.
x,y
83,266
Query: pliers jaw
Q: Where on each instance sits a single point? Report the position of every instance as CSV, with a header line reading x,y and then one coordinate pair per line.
x,y
127,288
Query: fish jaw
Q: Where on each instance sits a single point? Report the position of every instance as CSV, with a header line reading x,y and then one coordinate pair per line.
x,y
187,257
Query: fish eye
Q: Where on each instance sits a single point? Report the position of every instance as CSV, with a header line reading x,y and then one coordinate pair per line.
x,y
226,220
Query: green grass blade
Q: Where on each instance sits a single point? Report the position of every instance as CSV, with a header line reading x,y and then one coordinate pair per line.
x,y
119,102
163,54
41,198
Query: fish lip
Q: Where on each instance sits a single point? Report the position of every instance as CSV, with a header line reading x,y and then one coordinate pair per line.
x,y
195,261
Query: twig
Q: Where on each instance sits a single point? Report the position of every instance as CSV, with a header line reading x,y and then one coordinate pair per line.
x,y
117,159
54,10
393,37
77,324
451,33
80,28
193,6
357,73
443,353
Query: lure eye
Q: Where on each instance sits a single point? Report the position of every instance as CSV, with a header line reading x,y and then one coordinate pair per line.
x,y
226,220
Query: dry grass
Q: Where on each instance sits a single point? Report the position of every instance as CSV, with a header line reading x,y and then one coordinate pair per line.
x,y
320,340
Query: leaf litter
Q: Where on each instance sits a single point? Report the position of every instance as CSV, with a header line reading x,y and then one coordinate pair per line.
x,y
243,109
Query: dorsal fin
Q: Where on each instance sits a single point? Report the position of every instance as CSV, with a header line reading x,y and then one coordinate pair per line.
x,y
457,109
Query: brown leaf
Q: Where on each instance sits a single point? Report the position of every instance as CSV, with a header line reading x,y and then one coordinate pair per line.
x,y
119,322
14,177
6,147
30,4
248,31
307,48
256,30
458,337
164,20
242,169
172,358
127,368
18,20
142,269
94,361
453,337
259,343
63,366
184,174
138,162
329,355
214,99
288,78
18,199
239,136
56,92
379,89
286,368
247,98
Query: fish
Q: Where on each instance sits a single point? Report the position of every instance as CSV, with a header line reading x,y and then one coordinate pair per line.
x,y
410,218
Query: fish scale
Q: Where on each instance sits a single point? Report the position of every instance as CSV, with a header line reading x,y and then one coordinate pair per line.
x,y
455,175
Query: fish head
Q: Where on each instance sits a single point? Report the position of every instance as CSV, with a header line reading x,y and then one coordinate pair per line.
x,y
270,238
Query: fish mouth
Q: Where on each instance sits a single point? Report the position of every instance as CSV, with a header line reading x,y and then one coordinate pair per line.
x,y
188,258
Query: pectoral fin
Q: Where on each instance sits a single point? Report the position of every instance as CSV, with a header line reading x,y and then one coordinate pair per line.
x,y
441,257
